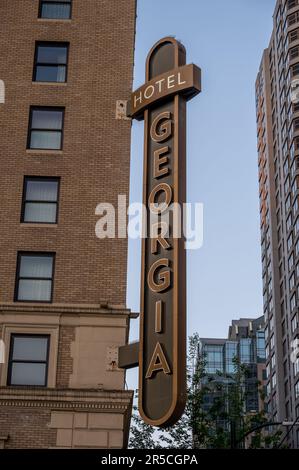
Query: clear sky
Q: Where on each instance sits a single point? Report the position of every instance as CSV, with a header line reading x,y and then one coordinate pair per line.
x,y
226,39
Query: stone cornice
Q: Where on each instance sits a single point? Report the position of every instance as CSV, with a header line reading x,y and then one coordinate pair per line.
x,y
106,401
102,309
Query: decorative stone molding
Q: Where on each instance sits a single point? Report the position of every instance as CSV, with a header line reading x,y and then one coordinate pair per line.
x,y
82,309
66,399
84,408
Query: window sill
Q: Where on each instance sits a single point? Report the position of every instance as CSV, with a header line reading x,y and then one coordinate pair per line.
x,y
63,84
34,302
43,152
54,20
38,224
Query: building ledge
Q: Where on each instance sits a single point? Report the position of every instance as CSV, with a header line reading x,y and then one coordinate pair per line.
x,y
52,84
43,152
101,309
66,399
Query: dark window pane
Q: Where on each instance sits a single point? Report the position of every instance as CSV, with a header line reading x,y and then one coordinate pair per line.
x,y
56,11
46,119
44,212
38,190
28,374
30,348
36,266
50,74
45,140
34,290
52,54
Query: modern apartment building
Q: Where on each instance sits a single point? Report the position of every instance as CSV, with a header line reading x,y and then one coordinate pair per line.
x,y
245,343
63,150
278,160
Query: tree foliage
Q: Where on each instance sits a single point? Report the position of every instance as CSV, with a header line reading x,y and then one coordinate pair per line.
x,y
223,424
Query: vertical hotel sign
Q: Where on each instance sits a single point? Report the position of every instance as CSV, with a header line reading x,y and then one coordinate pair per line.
x,y
161,102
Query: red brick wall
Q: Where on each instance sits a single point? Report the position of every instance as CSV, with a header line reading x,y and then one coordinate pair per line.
x,y
94,163
27,428
65,362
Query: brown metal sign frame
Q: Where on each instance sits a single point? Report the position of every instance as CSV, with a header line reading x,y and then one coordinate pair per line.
x,y
161,102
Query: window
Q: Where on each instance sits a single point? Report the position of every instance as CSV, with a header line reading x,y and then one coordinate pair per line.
x,y
269,270
214,358
294,323
291,262
293,18
260,345
293,302
270,287
294,187
294,53
292,3
50,62
45,128
28,360
293,168
295,69
290,242
246,350
289,222
40,200
268,389
286,164
286,388
34,281
288,203
294,35
56,9
292,282
285,368
271,323
272,342
287,185
231,353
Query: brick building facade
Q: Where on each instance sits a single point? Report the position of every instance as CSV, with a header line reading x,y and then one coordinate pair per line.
x,y
62,290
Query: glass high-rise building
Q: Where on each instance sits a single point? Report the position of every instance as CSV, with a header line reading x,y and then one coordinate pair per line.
x,y
246,344
278,162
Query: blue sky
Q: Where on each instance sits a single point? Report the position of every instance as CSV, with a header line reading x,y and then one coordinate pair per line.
x,y
226,39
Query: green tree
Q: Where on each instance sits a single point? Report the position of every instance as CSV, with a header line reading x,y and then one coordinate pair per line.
x,y
222,424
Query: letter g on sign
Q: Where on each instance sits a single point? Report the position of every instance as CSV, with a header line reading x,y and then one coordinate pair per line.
x,y
161,127
163,276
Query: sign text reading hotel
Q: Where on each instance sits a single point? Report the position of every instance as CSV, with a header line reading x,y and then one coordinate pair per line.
x,y
170,83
